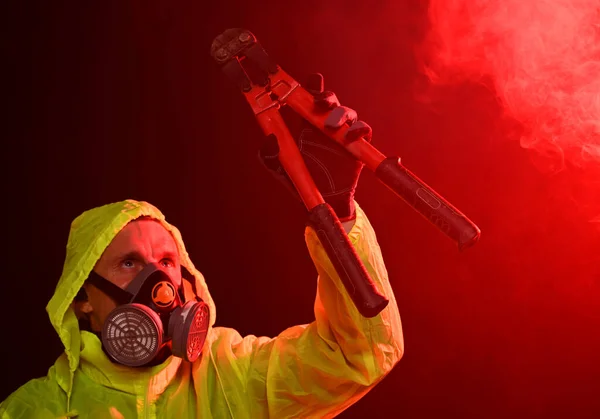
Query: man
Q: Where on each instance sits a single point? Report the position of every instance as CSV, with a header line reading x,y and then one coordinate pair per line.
x,y
136,318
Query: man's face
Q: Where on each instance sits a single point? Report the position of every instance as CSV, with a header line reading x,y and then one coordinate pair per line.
x,y
141,242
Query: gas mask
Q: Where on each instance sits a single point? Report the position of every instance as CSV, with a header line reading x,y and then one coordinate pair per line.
x,y
151,313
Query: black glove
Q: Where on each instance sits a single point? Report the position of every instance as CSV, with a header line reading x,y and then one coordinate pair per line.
x,y
334,170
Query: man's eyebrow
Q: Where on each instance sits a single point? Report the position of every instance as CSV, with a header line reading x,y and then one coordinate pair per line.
x,y
135,255
170,255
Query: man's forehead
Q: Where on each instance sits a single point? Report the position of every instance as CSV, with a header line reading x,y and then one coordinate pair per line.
x,y
144,233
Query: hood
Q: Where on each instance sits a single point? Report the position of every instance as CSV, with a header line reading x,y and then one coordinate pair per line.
x,y
90,234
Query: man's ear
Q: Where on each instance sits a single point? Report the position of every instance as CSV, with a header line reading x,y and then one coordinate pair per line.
x,y
81,304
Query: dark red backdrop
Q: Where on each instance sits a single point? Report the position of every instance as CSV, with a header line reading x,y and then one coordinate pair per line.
x,y
113,100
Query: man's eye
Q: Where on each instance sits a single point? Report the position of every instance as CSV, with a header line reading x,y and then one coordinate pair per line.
x,y
128,263
167,263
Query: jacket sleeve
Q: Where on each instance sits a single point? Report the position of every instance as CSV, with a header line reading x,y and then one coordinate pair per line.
x,y
320,369
38,398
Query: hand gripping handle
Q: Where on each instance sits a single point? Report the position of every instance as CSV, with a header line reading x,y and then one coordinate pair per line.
x,y
323,220
406,185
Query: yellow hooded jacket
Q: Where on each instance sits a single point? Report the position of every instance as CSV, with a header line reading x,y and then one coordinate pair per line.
x,y
315,370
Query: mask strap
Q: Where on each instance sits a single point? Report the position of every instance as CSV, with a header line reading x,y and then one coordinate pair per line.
x,y
186,274
118,294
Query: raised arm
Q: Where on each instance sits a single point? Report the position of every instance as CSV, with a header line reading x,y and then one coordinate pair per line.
x,y
319,369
